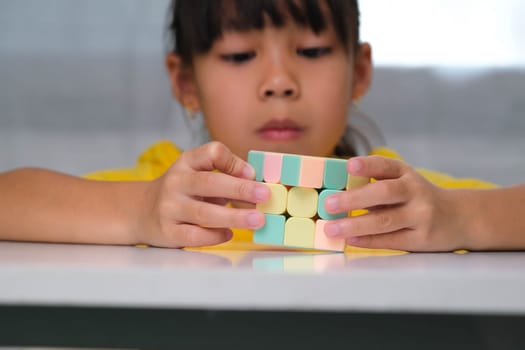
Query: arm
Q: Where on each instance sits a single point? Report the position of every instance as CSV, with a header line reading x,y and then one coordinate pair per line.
x,y
41,205
184,207
407,212
496,217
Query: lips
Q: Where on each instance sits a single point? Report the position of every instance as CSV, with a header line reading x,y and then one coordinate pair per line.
x,y
280,130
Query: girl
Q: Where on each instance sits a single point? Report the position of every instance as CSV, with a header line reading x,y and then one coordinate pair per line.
x,y
274,76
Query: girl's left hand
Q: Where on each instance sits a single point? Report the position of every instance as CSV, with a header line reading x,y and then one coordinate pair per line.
x,y
405,211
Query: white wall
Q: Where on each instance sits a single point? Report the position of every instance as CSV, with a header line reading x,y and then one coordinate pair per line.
x,y
445,32
403,32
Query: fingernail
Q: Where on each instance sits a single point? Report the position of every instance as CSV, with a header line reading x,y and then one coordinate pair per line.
x,y
248,172
332,204
354,166
260,193
332,230
254,220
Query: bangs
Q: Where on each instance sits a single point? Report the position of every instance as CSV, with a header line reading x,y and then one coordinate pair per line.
x,y
239,15
197,24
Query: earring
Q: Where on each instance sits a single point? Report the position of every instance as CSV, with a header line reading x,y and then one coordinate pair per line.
x,y
190,114
190,107
355,102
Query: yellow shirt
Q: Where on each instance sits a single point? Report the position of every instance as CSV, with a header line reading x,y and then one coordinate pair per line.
x,y
160,156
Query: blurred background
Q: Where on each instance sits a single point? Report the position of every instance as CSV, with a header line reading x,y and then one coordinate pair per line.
x,y
83,86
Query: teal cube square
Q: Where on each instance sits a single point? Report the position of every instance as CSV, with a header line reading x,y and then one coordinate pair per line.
x,y
256,160
272,232
321,211
290,170
335,174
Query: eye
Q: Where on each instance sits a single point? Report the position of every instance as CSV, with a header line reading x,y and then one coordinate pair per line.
x,y
314,52
238,57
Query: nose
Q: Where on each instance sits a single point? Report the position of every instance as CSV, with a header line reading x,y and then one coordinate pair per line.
x,y
279,82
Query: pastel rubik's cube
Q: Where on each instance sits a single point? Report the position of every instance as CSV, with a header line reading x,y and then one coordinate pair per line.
x,y
295,214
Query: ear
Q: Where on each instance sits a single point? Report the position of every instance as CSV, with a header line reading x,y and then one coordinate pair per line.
x,y
362,71
182,82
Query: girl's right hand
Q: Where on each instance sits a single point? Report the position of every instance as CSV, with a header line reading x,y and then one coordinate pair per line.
x,y
186,207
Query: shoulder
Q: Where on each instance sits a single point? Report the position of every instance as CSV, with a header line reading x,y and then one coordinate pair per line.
x,y
161,153
151,164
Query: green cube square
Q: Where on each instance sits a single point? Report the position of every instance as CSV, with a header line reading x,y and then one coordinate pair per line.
x,y
321,211
256,160
272,232
335,174
290,170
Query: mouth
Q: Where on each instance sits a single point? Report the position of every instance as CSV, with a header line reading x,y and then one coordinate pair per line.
x,y
280,130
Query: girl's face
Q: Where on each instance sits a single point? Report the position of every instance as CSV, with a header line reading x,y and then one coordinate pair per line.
x,y
276,89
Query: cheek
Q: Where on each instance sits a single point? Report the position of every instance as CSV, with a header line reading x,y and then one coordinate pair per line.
x,y
221,98
224,104
332,82
332,93
216,95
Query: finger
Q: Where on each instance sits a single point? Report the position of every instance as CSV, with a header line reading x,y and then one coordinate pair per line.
x,y
399,240
377,194
376,167
216,156
212,184
395,240
217,201
376,222
187,235
215,216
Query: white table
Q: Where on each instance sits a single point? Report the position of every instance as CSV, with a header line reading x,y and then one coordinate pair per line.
x,y
82,295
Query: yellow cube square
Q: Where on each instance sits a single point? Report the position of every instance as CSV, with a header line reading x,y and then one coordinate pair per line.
x,y
277,202
299,232
302,202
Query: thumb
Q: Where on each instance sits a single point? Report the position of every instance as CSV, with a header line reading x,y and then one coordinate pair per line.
x,y
216,156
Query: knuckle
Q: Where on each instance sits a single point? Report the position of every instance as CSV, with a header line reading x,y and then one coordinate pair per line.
x,y
174,182
200,215
384,221
244,189
166,209
222,156
191,238
230,165
207,179
385,189
387,165
420,187
348,199
424,212
427,212
186,236
216,149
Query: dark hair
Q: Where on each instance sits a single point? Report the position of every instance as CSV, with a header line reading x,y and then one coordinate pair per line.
x,y
194,25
